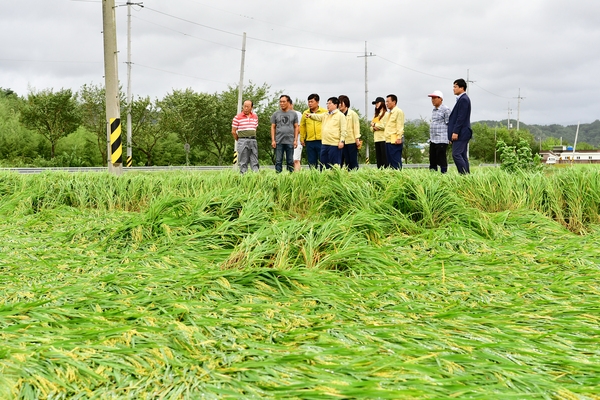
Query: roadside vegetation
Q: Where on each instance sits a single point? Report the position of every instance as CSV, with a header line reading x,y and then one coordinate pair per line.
x,y
48,128
366,284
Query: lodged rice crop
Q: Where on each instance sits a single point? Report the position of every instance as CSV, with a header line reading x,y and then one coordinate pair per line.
x,y
366,284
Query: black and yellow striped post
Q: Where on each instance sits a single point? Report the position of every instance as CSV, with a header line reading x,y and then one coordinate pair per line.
x,y
129,161
116,146
111,79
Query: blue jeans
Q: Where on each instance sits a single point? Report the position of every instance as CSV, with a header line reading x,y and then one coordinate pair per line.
x,y
330,156
350,155
459,155
289,156
313,153
394,155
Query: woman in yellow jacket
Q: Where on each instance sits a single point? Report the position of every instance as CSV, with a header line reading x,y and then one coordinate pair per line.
x,y
378,135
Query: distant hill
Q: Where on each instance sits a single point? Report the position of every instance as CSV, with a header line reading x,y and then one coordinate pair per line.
x,y
589,133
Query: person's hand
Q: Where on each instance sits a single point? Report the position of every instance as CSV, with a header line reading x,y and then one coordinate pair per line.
x,y
454,137
295,144
399,141
273,144
340,145
302,143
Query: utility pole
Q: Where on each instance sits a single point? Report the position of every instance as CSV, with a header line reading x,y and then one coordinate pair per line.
x,y
111,81
366,56
519,108
508,119
129,93
468,82
495,147
240,94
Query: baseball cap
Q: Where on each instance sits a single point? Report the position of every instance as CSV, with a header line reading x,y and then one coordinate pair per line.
x,y
378,100
436,93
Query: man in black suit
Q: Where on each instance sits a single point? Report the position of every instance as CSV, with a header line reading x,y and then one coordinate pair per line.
x,y
459,127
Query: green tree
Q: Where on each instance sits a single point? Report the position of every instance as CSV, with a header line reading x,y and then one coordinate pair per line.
x,y
78,149
416,133
519,157
583,146
483,146
18,145
52,115
549,143
92,106
186,113
146,131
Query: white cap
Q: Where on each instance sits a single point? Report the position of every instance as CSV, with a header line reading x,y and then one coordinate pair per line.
x,y
436,93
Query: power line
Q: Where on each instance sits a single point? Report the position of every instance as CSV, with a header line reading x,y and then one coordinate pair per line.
x,y
185,34
493,94
287,26
412,69
177,73
249,37
52,61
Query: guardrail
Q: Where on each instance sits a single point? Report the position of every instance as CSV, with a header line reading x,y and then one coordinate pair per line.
x,y
36,170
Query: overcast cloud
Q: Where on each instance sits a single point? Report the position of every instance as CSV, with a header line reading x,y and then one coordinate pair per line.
x,y
549,49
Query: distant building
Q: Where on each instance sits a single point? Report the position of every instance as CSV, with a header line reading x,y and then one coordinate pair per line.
x,y
566,155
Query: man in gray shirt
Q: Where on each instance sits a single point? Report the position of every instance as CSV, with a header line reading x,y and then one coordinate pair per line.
x,y
284,133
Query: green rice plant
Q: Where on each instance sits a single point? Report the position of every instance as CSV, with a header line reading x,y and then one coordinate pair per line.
x,y
366,284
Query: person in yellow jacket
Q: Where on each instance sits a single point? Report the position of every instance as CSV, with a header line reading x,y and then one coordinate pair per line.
x,y
393,129
310,132
350,151
333,133
378,135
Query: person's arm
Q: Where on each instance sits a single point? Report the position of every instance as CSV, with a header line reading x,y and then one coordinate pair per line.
x,y
273,142
356,128
343,131
461,116
302,130
400,125
380,125
316,117
234,128
296,131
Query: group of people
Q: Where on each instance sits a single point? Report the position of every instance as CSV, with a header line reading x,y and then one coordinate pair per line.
x,y
332,136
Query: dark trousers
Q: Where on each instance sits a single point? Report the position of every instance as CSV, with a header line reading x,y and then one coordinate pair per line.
x,y
459,155
380,153
437,156
313,153
350,156
330,156
288,149
394,155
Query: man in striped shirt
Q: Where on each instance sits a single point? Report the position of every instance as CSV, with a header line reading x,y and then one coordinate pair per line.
x,y
438,133
243,129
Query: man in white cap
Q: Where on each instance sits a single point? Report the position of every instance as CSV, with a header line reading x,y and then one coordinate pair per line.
x,y
438,133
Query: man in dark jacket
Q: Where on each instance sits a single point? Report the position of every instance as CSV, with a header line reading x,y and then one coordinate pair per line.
x,y
459,127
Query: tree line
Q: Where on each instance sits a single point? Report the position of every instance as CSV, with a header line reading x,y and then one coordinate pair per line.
x,y
65,128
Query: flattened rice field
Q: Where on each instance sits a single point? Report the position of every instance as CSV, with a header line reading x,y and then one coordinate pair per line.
x,y
371,284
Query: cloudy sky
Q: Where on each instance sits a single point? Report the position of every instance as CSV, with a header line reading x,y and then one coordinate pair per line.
x,y
547,49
